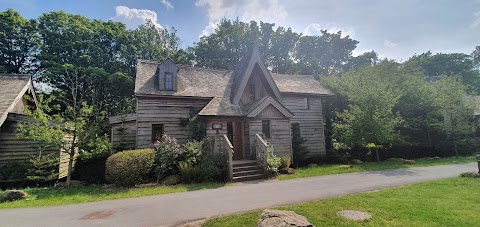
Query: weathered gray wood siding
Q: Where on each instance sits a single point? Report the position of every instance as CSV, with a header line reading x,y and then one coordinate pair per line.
x,y
167,111
280,135
13,149
167,67
260,91
124,132
310,120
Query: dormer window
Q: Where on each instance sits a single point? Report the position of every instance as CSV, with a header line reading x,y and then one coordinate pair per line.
x,y
169,81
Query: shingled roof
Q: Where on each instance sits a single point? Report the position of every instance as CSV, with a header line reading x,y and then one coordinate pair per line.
x,y
303,84
12,89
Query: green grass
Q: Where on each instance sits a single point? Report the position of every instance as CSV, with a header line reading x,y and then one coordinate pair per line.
x,y
371,166
57,196
450,202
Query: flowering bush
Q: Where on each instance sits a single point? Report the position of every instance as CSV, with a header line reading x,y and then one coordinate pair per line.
x,y
273,162
170,153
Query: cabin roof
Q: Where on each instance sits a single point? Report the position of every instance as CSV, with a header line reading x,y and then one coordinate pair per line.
x,y
220,107
209,83
301,84
12,89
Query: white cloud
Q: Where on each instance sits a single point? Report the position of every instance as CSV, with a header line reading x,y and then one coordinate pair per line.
x,y
389,44
476,21
209,29
245,10
134,17
167,4
314,29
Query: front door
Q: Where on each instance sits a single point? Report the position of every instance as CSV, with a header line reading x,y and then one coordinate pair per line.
x,y
235,134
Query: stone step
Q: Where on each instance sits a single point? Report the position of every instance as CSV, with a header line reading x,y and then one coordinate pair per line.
x,y
244,163
245,168
247,173
249,177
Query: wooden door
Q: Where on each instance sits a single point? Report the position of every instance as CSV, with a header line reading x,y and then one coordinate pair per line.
x,y
237,140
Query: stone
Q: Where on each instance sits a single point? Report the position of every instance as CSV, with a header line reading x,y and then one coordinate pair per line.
x,y
287,171
171,180
357,161
345,166
354,215
312,165
13,195
409,162
282,218
395,160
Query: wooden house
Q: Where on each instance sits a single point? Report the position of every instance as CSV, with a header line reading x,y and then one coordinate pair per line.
x,y
14,152
248,106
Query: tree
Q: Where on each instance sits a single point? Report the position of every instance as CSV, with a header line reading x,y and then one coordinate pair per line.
x,y
369,118
456,108
454,64
19,42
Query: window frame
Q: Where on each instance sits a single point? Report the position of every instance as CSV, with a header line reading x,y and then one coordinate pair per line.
x,y
168,75
155,127
267,129
307,103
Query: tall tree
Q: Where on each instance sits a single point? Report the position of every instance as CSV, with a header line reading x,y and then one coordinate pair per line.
x,y
19,42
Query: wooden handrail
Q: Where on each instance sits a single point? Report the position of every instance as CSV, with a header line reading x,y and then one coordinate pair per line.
x,y
261,152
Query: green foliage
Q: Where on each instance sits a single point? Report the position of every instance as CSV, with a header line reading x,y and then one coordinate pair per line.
x,y
192,150
285,161
43,168
273,162
284,51
19,42
187,172
212,167
300,151
167,156
128,168
14,170
372,96
197,126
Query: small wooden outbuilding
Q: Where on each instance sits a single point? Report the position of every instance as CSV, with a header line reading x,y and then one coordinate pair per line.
x,y
14,151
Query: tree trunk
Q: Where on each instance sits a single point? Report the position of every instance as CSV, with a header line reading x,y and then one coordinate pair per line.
x,y
455,146
378,157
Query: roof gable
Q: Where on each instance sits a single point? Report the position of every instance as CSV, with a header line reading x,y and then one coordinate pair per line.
x,y
12,89
259,106
244,70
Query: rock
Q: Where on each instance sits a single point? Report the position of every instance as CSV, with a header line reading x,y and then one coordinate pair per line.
x,y
197,223
395,160
282,218
312,165
287,171
409,162
433,158
73,183
470,174
354,215
171,180
345,166
13,195
357,161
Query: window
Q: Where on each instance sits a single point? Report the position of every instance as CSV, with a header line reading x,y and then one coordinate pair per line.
x,y
157,132
251,90
266,128
168,81
307,103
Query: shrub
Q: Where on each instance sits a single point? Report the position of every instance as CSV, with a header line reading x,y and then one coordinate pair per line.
x,y
13,195
188,172
130,167
470,175
191,151
212,167
273,162
409,162
168,151
285,161
43,168
91,169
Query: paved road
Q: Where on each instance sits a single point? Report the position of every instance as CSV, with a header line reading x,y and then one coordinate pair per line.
x,y
171,209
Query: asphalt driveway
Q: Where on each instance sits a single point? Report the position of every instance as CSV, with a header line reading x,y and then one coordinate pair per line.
x,y
172,209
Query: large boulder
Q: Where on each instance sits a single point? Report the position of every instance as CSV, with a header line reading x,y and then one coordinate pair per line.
x,y
171,180
287,171
282,218
357,161
13,195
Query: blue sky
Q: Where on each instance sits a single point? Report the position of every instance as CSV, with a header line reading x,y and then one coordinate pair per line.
x,y
395,29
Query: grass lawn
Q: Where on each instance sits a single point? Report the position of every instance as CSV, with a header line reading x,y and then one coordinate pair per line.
x,y
450,202
57,196
370,166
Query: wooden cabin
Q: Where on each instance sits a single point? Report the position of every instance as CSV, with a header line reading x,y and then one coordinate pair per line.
x,y
247,104
14,152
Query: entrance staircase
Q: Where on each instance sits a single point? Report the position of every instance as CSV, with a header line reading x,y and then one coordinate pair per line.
x,y
246,170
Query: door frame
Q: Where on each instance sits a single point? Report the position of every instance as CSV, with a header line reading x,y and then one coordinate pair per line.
x,y
237,129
